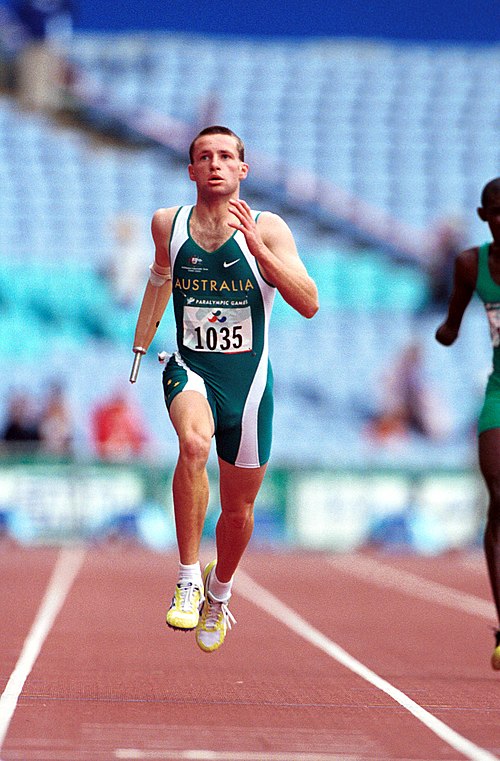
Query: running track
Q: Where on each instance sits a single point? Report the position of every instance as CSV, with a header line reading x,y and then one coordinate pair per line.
x,y
385,657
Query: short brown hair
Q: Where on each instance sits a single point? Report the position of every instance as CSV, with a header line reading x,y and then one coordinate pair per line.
x,y
218,130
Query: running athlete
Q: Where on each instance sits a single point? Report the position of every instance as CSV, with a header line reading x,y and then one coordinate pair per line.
x,y
478,269
222,262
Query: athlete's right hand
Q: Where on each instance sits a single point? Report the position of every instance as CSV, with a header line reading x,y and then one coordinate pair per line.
x,y
446,335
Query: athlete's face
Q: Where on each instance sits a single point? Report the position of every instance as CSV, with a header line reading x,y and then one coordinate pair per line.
x,y
217,168
491,215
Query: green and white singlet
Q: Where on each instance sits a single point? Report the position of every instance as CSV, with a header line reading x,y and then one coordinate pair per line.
x,y
489,293
222,307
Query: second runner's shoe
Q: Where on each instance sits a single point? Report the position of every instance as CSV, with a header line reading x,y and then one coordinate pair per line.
x,y
495,658
184,612
215,618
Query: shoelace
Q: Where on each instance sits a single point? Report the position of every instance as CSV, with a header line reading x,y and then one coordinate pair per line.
x,y
187,591
214,611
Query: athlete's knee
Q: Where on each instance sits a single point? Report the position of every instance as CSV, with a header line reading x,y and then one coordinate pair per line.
x,y
240,516
493,484
493,522
194,447
492,530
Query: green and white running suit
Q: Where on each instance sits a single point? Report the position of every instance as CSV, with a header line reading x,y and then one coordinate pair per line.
x,y
489,293
222,306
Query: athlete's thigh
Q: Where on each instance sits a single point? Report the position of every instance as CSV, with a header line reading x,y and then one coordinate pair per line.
x,y
239,486
187,398
190,411
489,454
489,417
244,429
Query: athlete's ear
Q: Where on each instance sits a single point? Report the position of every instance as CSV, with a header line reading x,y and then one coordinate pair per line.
x,y
191,172
243,170
481,214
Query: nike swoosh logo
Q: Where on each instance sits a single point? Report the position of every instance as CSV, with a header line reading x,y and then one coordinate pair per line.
x,y
230,264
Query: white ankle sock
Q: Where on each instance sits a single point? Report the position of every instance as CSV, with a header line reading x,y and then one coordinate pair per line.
x,y
220,590
190,572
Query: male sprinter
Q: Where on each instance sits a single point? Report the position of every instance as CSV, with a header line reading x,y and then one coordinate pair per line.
x,y
478,269
225,262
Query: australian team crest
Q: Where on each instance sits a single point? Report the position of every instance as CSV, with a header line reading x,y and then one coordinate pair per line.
x,y
194,264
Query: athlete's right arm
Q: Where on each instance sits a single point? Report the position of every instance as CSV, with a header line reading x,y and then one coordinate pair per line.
x,y
464,283
161,229
158,287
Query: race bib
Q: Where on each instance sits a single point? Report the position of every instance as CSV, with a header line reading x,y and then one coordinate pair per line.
x,y
228,331
493,313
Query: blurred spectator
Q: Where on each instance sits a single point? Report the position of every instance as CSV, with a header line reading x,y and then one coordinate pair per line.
x,y
56,426
129,261
41,65
13,37
408,403
387,427
21,429
448,242
117,429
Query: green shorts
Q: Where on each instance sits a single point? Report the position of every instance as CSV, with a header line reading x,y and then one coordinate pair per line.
x,y
490,412
242,412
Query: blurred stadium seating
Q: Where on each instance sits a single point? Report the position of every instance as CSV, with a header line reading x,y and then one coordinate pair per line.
x,y
410,129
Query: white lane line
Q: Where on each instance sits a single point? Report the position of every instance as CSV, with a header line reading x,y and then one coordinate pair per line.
x,y
382,575
133,754
67,566
272,606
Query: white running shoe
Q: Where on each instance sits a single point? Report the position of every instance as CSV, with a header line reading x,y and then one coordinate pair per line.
x,y
184,611
495,658
215,618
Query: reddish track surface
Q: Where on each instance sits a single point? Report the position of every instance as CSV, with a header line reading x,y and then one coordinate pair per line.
x,y
112,682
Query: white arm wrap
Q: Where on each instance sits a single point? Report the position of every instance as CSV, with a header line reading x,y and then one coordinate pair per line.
x,y
158,276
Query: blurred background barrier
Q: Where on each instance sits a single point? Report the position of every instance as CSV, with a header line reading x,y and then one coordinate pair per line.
x,y
45,501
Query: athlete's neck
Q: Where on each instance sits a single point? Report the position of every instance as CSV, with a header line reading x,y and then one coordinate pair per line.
x,y
211,213
209,226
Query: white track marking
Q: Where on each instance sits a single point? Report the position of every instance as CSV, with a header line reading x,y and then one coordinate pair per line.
x,y
67,566
215,755
382,575
272,606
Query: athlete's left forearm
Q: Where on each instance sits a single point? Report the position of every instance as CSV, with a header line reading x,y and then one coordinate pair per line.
x,y
294,284
303,299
